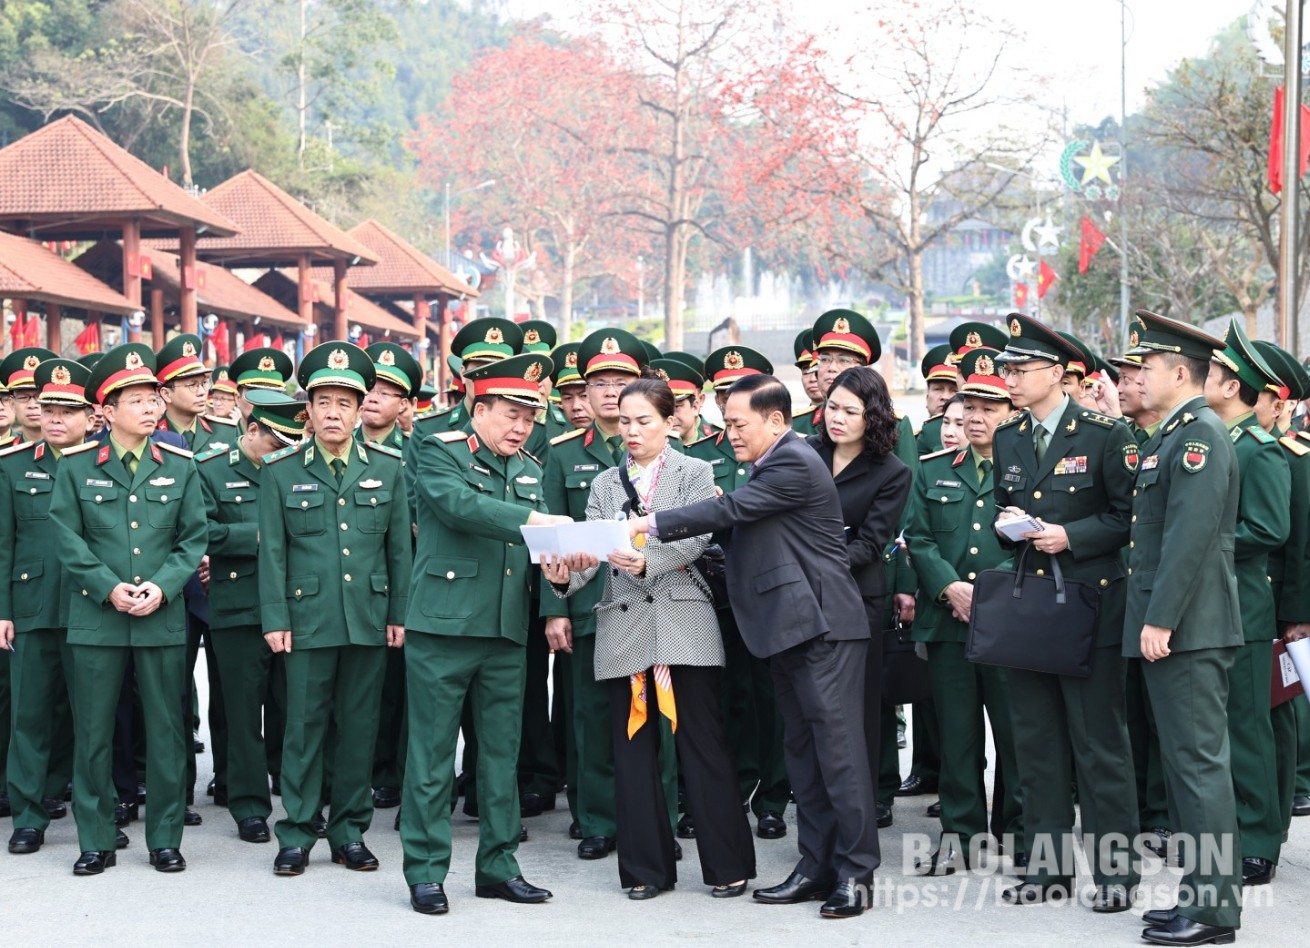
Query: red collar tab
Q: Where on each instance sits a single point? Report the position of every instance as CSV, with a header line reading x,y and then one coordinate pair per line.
x,y
472,444
40,451
588,437
959,459
103,456
163,425
156,454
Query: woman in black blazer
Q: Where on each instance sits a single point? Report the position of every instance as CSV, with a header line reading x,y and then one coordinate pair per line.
x,y
856,441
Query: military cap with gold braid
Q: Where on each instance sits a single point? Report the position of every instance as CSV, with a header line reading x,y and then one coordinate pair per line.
x,y
847,331
724,366
18,369
1239,355
684,381
687,359
132,363
1086,361
1103,371
62,382
1136,329
90,359
801,349
1030,340
939,364
220,380
978,378
179,358
538,335
975,335
611,350
516,379
565,358
1296,382
393,363
1162,334
338,363
652,351
487,338
426,396
262,367
280,413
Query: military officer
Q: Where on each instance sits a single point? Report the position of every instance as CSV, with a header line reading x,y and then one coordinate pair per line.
x,y
939,373
468,618
260,367
6,416
1182,616
129,542
950,489
334,569
572,388
809,367
230,482
686,383
17,372
223,393
31,608
97,418
1238,376
1072,469
483,340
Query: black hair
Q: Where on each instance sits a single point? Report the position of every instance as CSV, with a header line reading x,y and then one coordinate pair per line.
x,y
654,390
1247,394
956,399
767,395
866,384
261,428
1197,369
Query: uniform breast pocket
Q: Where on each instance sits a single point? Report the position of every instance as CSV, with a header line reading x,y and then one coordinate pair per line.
x,y
99,507
240,503
372,510
32,499
1148,502
527,494
304,514
450,588
26,586
162,505
578,487
943,505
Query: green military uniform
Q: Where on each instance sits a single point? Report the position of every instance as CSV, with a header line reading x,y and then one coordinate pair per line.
x,y
950,489
113,527
469,618
1083,483
938,366
180,359
334,568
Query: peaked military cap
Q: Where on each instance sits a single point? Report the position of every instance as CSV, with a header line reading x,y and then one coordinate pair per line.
x,y
338,363
517,379
489,337
1136,329
18,369
538,335
847,331
1030,340
611,350
62,382
801,348
979,377
1295,379
1162,334
939,365
262,367
90,359
975,335
724,366
179,358
220,380
1239,356
280,413
565,358
393,363
684,381
132,363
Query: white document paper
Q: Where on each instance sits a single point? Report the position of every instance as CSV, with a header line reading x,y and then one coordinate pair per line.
x,y
1300,652
1013,528
600,538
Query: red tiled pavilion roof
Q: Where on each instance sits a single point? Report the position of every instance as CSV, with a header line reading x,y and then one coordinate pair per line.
x,y
29,271
402,268
67,181
275,228
282,285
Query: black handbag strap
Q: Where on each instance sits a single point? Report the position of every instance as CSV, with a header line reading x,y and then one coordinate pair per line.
x,y
635,506
1056,573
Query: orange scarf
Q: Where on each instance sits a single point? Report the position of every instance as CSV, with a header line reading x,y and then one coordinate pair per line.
x,y
663,696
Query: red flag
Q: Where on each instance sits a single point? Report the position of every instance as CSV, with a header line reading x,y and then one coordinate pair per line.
x,y
1275,169
221,349
277,342
1045,277
16,331
32,332
1020,295
88,340
1092,241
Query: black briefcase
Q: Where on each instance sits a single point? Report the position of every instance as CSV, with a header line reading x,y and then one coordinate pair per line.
x,y
1036,623
904,674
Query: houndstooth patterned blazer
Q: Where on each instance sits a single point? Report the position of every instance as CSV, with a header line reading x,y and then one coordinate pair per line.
x,y
665,616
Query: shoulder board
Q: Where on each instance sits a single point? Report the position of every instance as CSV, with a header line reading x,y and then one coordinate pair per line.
x,y
541,421
209,454
1294,445
283,453
1260,434
15,449
215,419
444,411
530,456
1017,416
804,411
1096,418
450,437
181,452
710,437
424,416
384,448
79,448
568,436
937,454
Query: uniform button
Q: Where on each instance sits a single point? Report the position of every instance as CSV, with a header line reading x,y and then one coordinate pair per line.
x,y
1134,518
973,551
237,498
84,592
583,484
232,575
135,524
98,498
345,551
163,498
345,526
136,551
1105,582
1037,495
972,575
297,593
509,572
373,501
32,491
341,501
136,579
346,577
1134,491
304,503
1131,544
943,499
509,544
532,496
131,498
979,504
23,577
1130,571
1041,572
977,526
1072,489
450,574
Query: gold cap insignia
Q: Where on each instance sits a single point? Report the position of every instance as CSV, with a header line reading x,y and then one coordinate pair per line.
x,y
224,377
1016,328
985,366
133,361
733,360
610,346
31,362
188,350
973,341
1133,338
302,416
338,359
571,360
534,372
494,336
267,364
61,376
841,325
386,357
531,337
662,374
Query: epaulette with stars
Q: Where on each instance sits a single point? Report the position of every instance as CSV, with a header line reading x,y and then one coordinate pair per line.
x,y
936,454
530,456
183,452
209,454
1295,445
16,448
1016,417
384,448
79,448
567,436
1096,418
230,422
283,453
450,437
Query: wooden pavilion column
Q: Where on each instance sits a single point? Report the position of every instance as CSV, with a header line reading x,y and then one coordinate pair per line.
x,y
190,281
157,318
132,270
304,291
340,327
52,340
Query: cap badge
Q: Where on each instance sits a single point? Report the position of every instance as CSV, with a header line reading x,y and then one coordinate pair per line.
x,y
61,376
531,337
133,361
188,350
571,360
841,325
224,377
338,359
266,364
973,340
494,336
386,357
31,362
1133,338
985,366
533,373
733,360
302,416
610,346
1016,328
662,374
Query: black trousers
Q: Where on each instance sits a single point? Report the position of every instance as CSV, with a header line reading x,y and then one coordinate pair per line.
x,y
707,766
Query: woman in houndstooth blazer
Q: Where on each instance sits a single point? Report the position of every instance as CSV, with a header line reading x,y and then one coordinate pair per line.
x,y
658,647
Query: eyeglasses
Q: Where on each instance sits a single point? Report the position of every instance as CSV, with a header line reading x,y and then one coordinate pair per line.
x,y
845,361
610,385
136,404
27,397
1007,372
379,393
196,386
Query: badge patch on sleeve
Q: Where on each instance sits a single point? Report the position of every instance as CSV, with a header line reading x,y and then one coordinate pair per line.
x,y
1195,454
1131,458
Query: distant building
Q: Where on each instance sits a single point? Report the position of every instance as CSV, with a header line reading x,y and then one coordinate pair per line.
x,y
949,264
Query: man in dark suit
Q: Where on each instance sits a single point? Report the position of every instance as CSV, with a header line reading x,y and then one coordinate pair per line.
x,y
796,603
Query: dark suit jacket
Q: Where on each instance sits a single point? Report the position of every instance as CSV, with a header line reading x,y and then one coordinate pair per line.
x,y
789,576
873,492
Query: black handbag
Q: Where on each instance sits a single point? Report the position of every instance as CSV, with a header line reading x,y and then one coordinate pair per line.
x,y
1036,623
904,674
711,564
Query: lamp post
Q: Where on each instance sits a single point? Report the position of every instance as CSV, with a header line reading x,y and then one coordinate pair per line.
x,y
477,187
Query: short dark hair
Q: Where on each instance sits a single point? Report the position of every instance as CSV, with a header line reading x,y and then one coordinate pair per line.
x,y
261,428
1247,394
1197,369
490,401
654,390
767,395
866,384
956,399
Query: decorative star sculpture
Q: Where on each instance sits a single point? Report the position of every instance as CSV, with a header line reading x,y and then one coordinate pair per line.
x,y
1048,234
1096,165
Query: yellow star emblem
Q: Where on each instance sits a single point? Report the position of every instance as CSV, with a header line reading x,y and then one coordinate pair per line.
x,y
1096,165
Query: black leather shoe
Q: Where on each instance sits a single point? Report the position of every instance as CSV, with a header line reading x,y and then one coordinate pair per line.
x,y
517,889
167,860
126,813
1185,931
26,840
595,847
845,901
428,898
141,794
1301,805
795,889
575,830
915,785
686,827
209,790
1257,871
319,825
396,826
1112,898
192,818
253,829
538,802
935,810
639,893
1031,893
771,826
384,798
677,851
5,807
946,861
197,745
1156,839
54,808
523,833
291,861
728,891
884,816
471,807
93,863
355,856
1158,918
275,785
120,839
